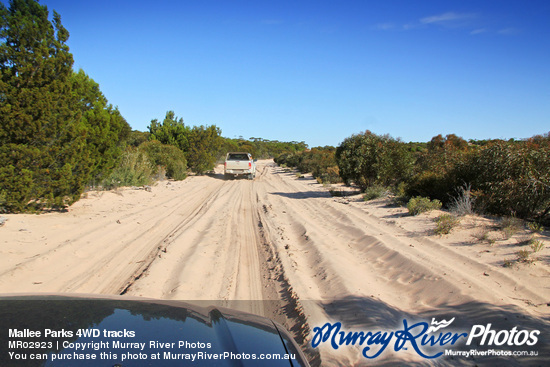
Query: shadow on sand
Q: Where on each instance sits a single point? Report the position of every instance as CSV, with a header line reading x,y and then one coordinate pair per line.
x,y
302,194
220,176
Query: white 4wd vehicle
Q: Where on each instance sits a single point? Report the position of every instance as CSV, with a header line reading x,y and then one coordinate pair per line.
x,y
239,163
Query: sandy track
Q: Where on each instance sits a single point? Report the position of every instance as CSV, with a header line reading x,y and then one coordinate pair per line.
x,y
352,266
280,244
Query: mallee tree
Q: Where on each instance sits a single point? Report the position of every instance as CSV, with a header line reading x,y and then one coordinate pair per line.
x,y
57,131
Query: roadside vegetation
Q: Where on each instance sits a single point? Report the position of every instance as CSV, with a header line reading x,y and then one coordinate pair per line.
x,y
320,161
59,135
419,204
506,178
261,148
445,223
57,130
375,192
530,243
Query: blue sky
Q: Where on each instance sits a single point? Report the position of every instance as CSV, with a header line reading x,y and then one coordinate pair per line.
x,y
320,71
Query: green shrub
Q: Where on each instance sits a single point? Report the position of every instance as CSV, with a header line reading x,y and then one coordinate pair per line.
x,y
375,192
504,177
420,204
512,179
367,159
401,198
445,223
439,169
319,161
3,202
401,190
498,177
136,138
330,175
535,227
168,157
134,169
200,144
523,256
536,245
204,143
57,130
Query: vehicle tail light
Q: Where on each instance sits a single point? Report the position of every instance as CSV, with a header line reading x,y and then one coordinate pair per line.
x,y
249,164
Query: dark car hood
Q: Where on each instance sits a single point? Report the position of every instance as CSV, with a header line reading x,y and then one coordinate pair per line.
x,y
192,329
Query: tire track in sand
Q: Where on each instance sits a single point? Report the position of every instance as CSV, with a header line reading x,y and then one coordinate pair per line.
x,y
220,246
103,258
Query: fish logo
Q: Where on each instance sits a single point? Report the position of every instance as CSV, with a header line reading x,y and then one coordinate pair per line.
x,y
439,325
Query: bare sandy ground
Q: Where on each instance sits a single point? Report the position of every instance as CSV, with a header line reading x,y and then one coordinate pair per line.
x,y
283,247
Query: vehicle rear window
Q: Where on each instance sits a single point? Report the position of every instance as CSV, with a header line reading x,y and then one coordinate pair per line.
x,y
237,157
